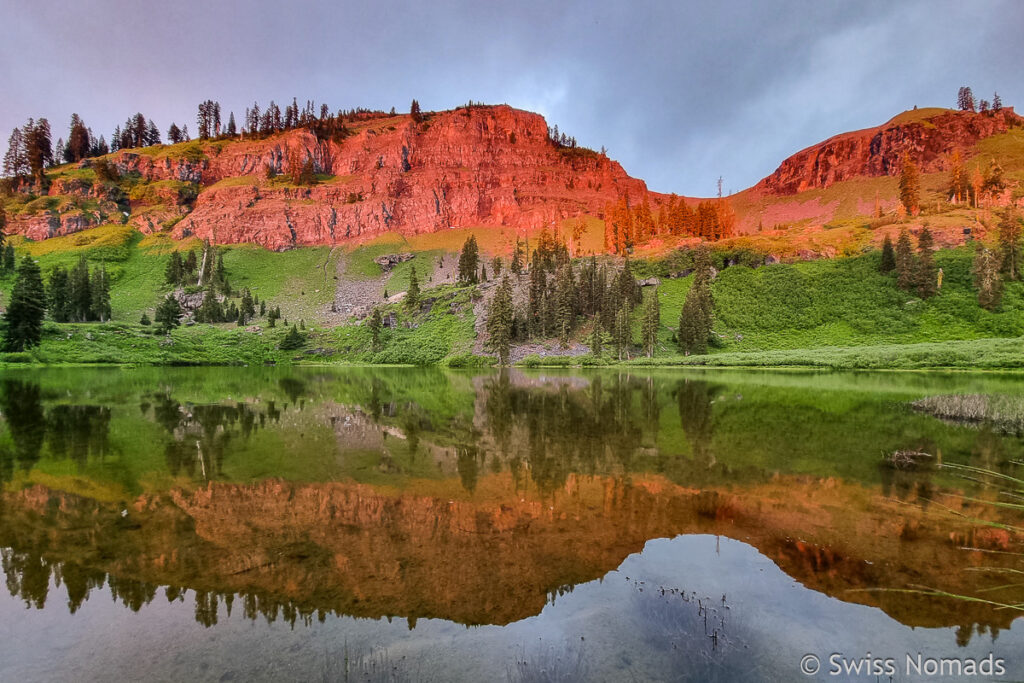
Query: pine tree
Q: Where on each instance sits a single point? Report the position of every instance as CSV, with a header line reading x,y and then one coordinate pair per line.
x,y
596,340
469,261
925,274
3,233
987,278
888,256
905,262
99,287
697,316
77,147
174,134
210,310
959,185
412,294
22,324
58,295
650,324
220,274
414,112
16,158
232,130
174,270
81,292
293,340
375,323
9,259
622,333
517,259
190,264
910,186
168,314
501,321
565,303
1010,244
997,102
144,320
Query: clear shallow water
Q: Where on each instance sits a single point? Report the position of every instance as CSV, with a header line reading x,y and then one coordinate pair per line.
x,y
247,524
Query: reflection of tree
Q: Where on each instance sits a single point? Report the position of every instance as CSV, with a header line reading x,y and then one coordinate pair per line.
x,y
696,417
556,432
78,431
23,409
293,388
201,434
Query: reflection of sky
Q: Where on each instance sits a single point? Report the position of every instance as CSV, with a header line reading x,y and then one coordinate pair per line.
x,y
625,633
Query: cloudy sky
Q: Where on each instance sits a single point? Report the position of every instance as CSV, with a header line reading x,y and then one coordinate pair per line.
x,y
679,92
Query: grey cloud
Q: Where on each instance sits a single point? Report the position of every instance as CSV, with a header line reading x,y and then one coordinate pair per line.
x,y
680,93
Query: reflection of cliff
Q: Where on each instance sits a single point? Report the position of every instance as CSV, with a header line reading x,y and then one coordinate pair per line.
x,y
362,551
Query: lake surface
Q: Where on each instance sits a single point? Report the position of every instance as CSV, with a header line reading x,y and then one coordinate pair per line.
x,y
206,524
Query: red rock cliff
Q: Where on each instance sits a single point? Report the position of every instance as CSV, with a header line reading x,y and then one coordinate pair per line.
x,y
482,166
928,137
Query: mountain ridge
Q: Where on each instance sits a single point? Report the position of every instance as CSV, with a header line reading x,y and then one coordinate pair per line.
x,y
475,166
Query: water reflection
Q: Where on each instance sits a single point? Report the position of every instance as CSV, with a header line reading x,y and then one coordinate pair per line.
x,y
291,495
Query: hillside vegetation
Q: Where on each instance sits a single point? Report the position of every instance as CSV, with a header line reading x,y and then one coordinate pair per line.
x,y
837,313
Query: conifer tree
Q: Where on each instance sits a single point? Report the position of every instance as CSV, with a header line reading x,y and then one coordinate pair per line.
x,y
375,323
174,134
22,324
959,184
596,340
697,316
3,233
517,259
168,314
622,333
190,264
905,262
925,274
1010,244
174,270
414,112
650,323
210,310
293,340
496,266
9,260
412,294
99,287
888,256
468,261
987,278
501,321
81,292
910,186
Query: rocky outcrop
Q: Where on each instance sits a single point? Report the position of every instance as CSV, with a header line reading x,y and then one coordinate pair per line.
x,y
482,166
53,224
928,140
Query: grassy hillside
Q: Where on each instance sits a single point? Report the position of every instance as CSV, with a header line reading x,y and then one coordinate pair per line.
x,y
844,302
840,312
301,281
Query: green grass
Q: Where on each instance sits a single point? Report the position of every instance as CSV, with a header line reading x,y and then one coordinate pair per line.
x,y
843,302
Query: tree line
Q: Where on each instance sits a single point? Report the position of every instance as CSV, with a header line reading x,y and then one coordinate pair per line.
x,y
628,225
563,297
965,101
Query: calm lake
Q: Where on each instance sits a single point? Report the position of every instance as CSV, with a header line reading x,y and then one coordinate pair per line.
x,y
395,524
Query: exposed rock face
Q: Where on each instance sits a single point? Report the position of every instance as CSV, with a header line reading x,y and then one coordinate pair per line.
x,y
484,166
879,151
49,224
